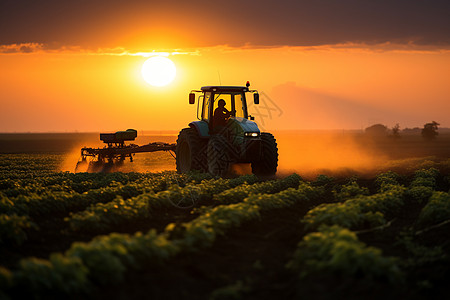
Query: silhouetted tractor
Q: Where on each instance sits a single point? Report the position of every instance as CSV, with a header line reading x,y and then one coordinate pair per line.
x,y
212,144
224,134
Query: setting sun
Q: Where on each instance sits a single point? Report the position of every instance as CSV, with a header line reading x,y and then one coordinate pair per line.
x,y
158,71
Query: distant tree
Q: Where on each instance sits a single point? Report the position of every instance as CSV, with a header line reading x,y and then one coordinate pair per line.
x,y
377,130
396,131
429,130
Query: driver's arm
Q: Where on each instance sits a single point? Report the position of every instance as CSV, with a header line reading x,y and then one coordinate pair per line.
x,y
229,113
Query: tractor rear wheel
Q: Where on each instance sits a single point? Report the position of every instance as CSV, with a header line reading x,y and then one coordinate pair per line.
x,y
190,151
267,165
218,156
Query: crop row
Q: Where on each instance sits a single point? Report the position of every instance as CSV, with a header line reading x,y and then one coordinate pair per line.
x,y
356,212
18,166
202,231
78,183
12,228
106,258
436,210
239,193
50,202
369,210
333,249
104,216
423,185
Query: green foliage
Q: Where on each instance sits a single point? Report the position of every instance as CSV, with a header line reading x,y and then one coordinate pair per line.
x,y
59,273
239,193
357,212
286,198
27,166
385,180
323,180
106,202
48,197
425,177
108,257
420,194
436,210
105,216
337,251
102,261
420,255
12,228
234,291
423,184
349,190
202,231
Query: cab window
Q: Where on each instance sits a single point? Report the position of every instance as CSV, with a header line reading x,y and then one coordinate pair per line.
x,y
239,105
206,104
226,97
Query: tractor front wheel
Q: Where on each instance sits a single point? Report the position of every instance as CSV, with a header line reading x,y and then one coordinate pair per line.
x,y
267,165
190,151
218,156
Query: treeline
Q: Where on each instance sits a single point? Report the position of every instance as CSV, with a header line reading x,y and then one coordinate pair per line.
x,y
429,131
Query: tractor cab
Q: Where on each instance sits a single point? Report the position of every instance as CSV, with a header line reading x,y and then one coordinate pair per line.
x,y
209,101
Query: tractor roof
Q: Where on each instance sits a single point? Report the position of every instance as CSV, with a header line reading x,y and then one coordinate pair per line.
x,y
223,88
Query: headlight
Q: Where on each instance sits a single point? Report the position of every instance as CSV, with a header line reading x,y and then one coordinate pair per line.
x,y
251,134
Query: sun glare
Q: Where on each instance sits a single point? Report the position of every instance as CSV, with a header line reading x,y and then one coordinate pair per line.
x,y
158,71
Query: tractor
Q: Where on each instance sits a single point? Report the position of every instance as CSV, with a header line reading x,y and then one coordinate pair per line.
x,y
225,134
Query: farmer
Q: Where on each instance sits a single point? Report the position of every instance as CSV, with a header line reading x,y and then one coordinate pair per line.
x,y
221,114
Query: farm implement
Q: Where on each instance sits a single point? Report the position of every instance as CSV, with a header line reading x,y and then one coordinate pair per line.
x,y
224,134
116,151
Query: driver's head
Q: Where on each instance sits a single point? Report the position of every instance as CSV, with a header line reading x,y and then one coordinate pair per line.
x,y
221,103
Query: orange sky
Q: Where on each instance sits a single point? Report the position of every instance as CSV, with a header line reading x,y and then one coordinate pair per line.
x,y
324,64
326,87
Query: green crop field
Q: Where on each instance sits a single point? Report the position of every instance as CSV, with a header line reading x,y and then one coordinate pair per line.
x,y
190,236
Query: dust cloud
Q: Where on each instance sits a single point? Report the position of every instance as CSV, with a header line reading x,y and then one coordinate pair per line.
x,y
311,153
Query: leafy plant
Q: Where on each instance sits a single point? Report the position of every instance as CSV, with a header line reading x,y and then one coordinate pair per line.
x,y
12,228
436,210
358,211
337,251
349,190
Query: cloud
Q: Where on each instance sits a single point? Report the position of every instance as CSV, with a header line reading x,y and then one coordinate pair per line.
x,y
40,48
349,47
21,48
28,48
200,23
